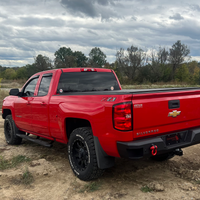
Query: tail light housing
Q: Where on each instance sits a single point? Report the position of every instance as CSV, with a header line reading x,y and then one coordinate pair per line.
x,y
123,117
88,70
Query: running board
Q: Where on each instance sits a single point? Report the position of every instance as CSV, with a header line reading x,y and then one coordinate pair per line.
x,y
43,143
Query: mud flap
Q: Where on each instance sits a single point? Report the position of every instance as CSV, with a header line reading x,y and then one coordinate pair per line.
x,y
104,161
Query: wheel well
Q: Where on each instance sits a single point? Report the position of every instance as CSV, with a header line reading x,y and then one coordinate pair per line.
x,y
6,112
73,123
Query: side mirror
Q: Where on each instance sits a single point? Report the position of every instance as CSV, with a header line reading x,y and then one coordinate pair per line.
x,y
14,92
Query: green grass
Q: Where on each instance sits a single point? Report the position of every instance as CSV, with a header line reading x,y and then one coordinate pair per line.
x,y
7,164
27,178
90,187
146,189
197,182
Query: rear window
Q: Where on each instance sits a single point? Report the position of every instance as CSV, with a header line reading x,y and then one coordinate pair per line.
x,y
87,81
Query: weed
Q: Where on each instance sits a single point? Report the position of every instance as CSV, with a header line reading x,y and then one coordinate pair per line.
x,y
27,177
4,164
146,189
197,182
43,156
19,159
7,164
90,187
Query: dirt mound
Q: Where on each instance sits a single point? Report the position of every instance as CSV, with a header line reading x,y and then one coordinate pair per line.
x,y
41,167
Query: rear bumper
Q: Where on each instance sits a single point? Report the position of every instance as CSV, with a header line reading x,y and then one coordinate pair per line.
x,y
141,148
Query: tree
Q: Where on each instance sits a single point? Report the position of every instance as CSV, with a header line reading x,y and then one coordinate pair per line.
x,y
192,65
162,55
157,63
196,76
81,59
2,68
130,61
31,69
21,73
182,73
42,63
177,55
9,74
64,58
194,72
97,58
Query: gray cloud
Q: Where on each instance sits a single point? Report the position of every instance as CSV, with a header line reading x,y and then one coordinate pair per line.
x,y
195,7
90,8
81,7
176,16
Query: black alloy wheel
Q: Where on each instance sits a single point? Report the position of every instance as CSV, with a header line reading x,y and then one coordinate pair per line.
x,y
82,155
10,131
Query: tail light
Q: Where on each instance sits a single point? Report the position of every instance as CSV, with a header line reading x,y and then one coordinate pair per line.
x,y
122,117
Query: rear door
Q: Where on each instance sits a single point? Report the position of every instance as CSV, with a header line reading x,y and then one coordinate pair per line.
x,y
40,105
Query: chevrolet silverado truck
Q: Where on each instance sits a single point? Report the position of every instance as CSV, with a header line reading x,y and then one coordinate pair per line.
x,y
86,109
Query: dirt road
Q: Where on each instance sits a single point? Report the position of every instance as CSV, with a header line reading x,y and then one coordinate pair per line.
x,y
178,178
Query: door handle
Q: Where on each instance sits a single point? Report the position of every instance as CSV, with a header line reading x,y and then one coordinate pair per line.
x,y
43,104
28,103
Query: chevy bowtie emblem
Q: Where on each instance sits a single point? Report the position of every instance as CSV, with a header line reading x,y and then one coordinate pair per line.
x,y
174,113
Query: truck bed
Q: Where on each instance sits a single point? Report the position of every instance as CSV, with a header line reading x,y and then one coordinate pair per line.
x,y
134,91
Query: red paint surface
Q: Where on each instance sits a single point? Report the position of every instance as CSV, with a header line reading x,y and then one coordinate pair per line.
x,y
45,116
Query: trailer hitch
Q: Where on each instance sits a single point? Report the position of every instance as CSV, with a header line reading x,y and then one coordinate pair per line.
x,y
178,152
153,149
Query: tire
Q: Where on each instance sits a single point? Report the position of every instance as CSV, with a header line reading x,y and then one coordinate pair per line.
x,y
82,155
163,157
10,131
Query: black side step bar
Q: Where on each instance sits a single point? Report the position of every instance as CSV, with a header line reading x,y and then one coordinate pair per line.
x,y
43,143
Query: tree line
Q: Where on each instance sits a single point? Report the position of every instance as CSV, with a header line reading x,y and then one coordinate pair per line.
x,y
132,65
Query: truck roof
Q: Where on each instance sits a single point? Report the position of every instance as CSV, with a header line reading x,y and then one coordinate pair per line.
x,y
75,70
79,69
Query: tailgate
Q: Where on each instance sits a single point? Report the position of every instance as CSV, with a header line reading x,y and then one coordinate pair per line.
x,y
158,113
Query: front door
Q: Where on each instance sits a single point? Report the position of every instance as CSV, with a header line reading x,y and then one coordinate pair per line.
x,y
23,108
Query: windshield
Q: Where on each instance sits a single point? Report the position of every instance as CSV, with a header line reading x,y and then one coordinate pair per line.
x,y
87,81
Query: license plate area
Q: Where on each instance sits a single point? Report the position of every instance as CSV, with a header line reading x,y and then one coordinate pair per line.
x,y
176,138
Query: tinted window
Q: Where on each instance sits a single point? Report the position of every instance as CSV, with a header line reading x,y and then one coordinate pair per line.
x,y
30,87
87,81
44,85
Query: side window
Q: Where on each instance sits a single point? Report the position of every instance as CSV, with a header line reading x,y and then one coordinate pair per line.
x,y
44,85
30,87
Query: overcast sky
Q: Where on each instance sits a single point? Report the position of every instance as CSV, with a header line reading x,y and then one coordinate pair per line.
x,y
29,28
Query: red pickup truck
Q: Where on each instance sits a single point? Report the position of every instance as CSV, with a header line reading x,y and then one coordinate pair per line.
x,y
86,109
